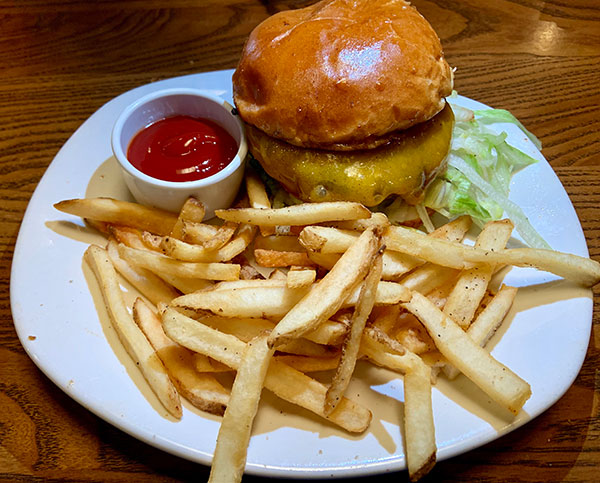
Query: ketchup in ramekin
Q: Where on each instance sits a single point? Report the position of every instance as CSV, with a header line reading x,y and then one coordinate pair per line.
x,y
198,149
182,148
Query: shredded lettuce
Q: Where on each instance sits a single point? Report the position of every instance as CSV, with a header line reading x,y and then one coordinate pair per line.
x,y
480,167
491,116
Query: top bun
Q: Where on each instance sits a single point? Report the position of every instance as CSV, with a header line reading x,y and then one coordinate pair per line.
x,y
341,74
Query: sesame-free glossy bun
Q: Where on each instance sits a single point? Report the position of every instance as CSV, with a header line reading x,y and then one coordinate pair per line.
x,y
341,74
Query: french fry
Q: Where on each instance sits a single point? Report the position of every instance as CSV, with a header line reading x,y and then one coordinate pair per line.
x,y
377,219
242,239
188,252
203,363
158,264
383,351
453,231
472,283
288,230
280,251
298,277
132,237
247,329
266,302
583,271
384,318
490,318
419,427
147,283
327,240
244,329
281,243
325,260
329,333
351,346
257,283
395,264
197,233
271,299
120,213
308,364
417,244
284,381
436,363
487,322
323,239
202,390
192,210
223,235
257,194
303,214
278,274
185,284
495,379
100,226
439,295
411,334
428,277
329,295
234,434
293,386
151,241
258,197
132,338
387,342
274,259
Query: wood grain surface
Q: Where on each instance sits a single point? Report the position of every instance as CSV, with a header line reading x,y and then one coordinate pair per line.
x,y
60,60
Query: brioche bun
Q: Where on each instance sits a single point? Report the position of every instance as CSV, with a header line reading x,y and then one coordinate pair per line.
x,y
340,72
337,77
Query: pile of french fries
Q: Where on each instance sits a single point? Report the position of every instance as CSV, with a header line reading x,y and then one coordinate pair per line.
x,y
276,294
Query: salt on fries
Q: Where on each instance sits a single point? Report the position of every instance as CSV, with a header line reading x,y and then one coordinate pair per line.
x,y
351,345
304,214
345,285
283,380
584,271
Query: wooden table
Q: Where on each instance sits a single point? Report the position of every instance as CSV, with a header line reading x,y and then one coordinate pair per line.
x,y
62,60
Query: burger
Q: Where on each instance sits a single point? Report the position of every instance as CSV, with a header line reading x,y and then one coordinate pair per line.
x,y
345,100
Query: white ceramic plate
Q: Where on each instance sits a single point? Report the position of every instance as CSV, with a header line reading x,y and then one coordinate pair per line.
x,y
64,329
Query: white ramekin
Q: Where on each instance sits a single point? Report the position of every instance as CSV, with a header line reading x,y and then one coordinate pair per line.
x,y
215,192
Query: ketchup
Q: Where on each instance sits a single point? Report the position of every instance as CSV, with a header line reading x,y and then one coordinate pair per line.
x,y
182,148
